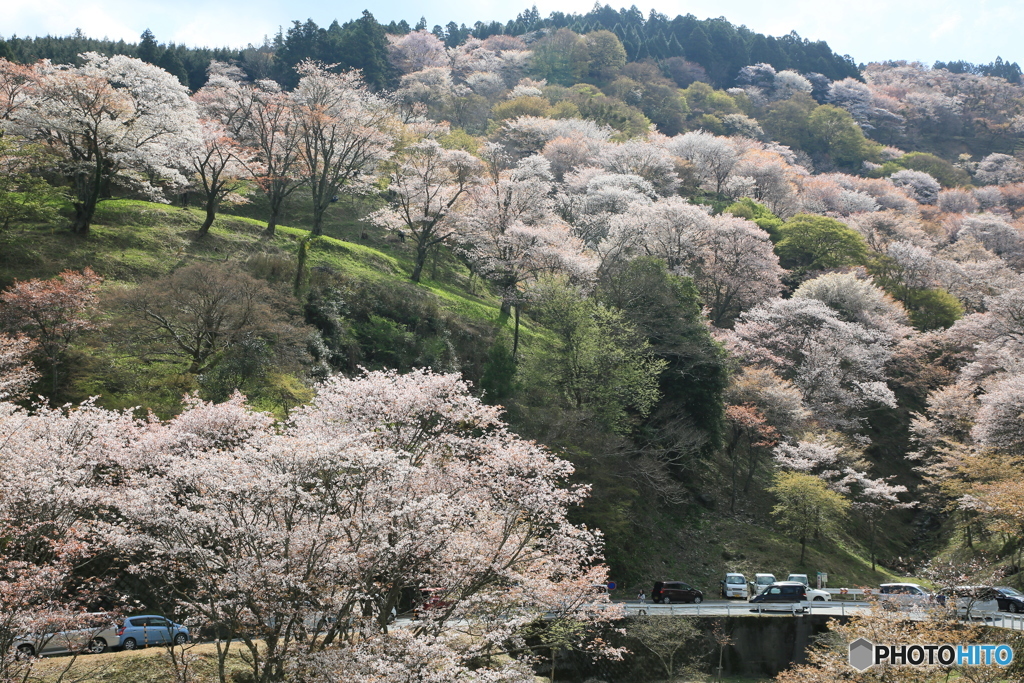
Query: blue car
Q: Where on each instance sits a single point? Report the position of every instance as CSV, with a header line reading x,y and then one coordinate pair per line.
x,y
150,629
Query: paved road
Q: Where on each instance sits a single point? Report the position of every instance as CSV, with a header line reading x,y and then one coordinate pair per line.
x,y
724,608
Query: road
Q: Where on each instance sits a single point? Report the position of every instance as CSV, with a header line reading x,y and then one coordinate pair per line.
x,y
736,608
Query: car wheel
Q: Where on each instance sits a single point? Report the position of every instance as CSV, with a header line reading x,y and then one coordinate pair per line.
x,y
129,644
1014,608
25,651
180,639
818,598
697,599
666,600
98,646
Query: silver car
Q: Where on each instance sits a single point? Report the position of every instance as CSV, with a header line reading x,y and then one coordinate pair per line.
x,y
96,639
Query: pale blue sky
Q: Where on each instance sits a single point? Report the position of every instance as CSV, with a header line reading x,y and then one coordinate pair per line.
x,y
868,30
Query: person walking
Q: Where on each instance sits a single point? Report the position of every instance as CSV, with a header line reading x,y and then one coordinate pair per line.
x,y
642,597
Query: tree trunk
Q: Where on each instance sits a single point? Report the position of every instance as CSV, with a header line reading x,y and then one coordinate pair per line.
x,y
803,547
85,206
421,259
872,545
211,213
318,219
515,336
271,223
87,191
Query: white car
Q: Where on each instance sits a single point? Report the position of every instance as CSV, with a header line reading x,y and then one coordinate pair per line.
x,y
735,586
905,594
812,593
98,638
818,595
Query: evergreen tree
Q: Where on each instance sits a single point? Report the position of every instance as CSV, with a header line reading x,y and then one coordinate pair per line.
x,y
148,50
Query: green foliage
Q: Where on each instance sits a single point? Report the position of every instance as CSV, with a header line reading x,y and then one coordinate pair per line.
x,y
788,121
943,171
809,242
666,310
701,98
605,55
757,213
560,58
529,105
932,309
806,506
642,85
595,105
832,131
499,373
598,361
25,195
457,138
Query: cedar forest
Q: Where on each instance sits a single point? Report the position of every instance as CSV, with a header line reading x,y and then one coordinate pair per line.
x,y
512,310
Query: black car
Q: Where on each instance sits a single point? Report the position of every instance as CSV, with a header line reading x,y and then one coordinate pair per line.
x,y
782,591
675,591
1009,599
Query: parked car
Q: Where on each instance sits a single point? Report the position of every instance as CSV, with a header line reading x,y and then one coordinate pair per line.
x,y
431,599
782,591
95,639
762,581
735,586
675,591
905,594
972,599
150,629
1009,599
812,593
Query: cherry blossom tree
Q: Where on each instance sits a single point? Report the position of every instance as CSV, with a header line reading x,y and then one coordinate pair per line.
x,y
427,184
857,299
733,265
510,232
54,493
15,81
382,486
918,185
221,164
344,132
999,169
1000,420
113,119
52,312
16,370
838,366
260,117
712,157
415,51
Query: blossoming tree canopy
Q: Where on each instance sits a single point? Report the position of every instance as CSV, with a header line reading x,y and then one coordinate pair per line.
x,y
384,485
113,118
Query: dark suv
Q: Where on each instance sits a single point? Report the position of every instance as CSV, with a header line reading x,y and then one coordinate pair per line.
x,y
782,591
675,591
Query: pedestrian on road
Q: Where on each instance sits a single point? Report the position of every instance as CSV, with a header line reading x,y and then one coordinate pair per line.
x,y
642,597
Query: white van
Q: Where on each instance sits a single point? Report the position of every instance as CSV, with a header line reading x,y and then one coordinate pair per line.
x,y
762,581
735,586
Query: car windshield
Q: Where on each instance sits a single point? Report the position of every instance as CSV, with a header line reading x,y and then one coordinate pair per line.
x,y
1006,590
735,579
765,581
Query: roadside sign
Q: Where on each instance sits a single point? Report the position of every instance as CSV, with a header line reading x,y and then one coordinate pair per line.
x,y
611,585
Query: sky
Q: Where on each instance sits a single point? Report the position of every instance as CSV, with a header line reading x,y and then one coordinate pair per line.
x,y
868,30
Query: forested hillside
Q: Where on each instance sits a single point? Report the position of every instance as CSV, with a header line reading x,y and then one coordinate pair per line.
x,y
765,302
